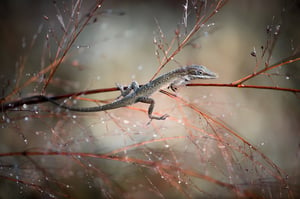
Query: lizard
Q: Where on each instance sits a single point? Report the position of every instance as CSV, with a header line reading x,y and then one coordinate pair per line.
x,y
135,93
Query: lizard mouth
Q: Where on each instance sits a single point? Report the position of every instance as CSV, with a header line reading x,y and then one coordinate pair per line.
x,y
205,76
210,75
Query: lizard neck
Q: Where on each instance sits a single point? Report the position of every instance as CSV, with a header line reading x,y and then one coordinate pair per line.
x,y
170,77
161,81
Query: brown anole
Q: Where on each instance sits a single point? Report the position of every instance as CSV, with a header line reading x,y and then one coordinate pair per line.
x,y
135,93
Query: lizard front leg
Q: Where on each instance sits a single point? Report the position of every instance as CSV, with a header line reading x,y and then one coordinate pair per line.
x,y
178,83
150,101
124,92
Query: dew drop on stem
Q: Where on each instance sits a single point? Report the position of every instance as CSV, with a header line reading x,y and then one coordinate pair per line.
x,y
25,141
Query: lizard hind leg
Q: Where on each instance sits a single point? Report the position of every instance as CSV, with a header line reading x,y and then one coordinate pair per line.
x,y
150,101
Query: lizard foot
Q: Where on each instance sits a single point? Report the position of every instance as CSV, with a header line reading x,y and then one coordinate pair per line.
x,y
158,118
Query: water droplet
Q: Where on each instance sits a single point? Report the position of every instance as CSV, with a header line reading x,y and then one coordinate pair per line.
x,y
140,67
74,101
26,141
167,146
26,118
154,135
83,46
25,106
211,24
74,116
45,17
126,122
287,77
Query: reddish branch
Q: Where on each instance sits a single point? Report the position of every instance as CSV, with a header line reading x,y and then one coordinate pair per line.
x,y
148,163
89,17
286,61
57,61
197,26
249,86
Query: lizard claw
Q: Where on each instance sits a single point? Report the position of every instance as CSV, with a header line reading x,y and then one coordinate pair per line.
x,y
173,87
163,117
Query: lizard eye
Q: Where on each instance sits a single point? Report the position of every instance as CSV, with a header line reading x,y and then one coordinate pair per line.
x,y
197,72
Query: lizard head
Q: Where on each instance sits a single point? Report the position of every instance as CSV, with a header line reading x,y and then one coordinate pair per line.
x,y
191,72
198,72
